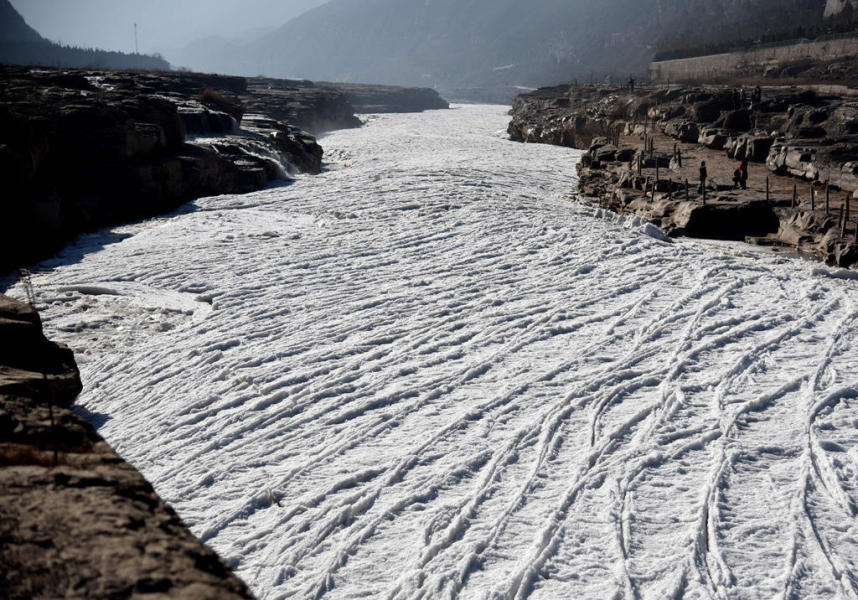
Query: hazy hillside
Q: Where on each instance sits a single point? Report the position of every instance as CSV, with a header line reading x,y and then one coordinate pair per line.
x,y
20,44
455,44
13,28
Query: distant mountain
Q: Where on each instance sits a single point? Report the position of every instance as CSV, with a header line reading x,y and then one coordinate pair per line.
x,y
20,44
459,44
13,28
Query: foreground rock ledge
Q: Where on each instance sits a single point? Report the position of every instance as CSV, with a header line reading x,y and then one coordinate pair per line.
x,y
77,521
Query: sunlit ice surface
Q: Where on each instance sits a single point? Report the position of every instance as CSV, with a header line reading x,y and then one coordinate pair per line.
x,y
429,373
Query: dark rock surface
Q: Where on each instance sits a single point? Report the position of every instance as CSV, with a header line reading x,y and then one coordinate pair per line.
x,y
300,103
366,98
76,521
81,150
30,365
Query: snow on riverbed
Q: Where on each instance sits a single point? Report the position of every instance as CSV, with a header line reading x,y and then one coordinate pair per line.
x,y
427,374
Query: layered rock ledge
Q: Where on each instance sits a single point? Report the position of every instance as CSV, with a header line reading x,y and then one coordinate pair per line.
x,y
368,98
76,521
323,106
81,150
644,149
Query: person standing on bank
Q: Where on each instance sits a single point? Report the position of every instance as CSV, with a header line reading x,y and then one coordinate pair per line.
x,y
703,175
744,168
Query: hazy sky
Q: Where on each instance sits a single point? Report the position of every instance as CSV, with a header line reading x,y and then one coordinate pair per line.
x,y
163,24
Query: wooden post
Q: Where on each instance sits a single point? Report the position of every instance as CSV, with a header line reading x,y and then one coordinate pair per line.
x,y
842,222
767,189
827,198
794,194
686,191
640,163
847,207
670,189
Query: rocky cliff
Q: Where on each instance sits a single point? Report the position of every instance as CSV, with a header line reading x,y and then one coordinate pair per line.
x,y
76,521
367,98
323,106
81,150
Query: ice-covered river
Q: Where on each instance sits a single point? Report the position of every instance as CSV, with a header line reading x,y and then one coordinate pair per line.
x,y
427,374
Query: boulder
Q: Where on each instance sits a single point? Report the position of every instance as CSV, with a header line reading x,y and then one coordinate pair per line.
x,y
737,120
713,138
606,153
709,110
598,142
30,365
684,131
754,148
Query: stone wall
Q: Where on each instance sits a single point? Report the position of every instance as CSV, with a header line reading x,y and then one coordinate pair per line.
x,y
755,61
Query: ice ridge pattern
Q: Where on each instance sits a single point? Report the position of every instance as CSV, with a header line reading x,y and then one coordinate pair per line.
x,y
427,374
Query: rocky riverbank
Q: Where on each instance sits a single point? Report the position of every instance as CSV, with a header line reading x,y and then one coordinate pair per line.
x,y
367,98
77,521
644,150
81,150
322,106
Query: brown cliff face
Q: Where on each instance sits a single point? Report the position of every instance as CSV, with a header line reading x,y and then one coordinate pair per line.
x,y
76,521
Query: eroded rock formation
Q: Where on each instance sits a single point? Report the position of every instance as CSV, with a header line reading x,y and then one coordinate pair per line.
x,y
80,150
797,134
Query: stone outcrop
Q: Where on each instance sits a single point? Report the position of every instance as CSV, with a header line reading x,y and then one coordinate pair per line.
x,y
76,521
81,150
794,132
30,365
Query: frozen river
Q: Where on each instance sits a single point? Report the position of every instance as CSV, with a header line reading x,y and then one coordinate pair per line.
x,y
427,374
